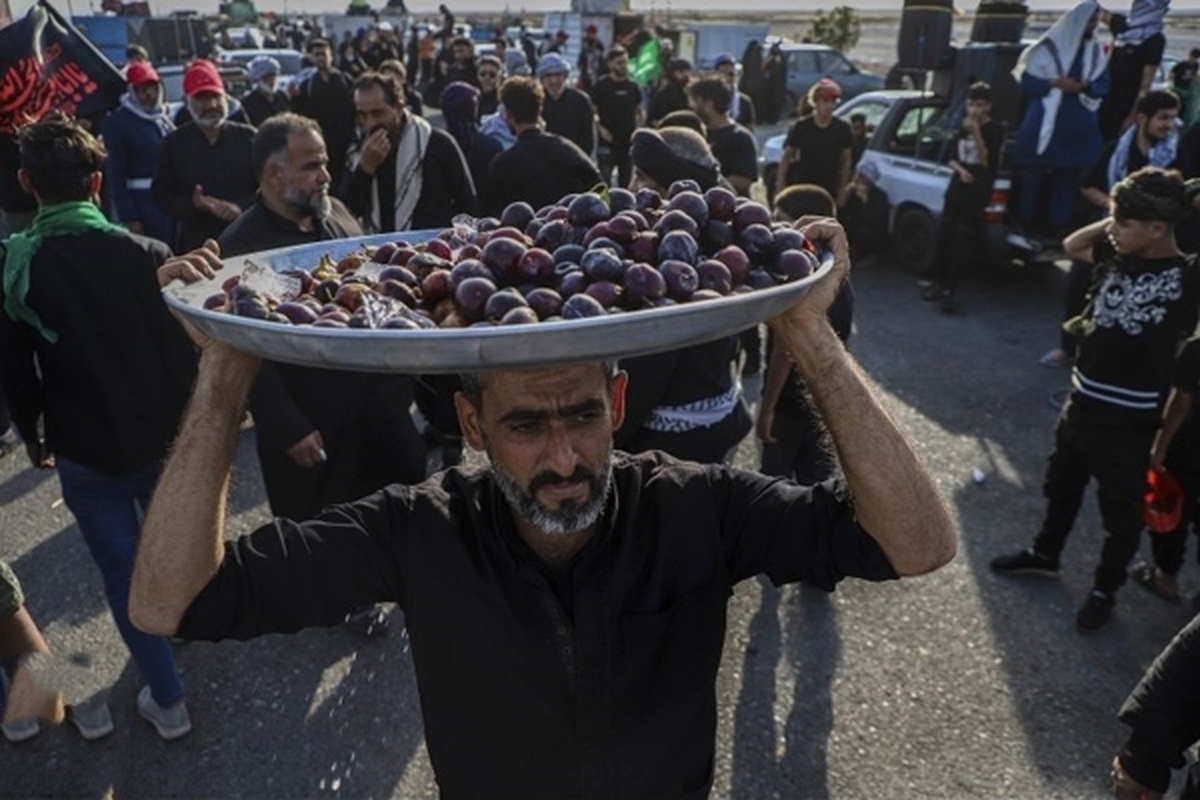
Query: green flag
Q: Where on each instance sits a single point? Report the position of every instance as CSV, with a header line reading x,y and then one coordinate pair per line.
x,y
646,65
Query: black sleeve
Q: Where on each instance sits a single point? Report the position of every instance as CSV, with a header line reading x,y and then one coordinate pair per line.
x,y
793,136
1150,52
744,156
502,183
1164,712
845,135
1186,375
167,188
587,125
18,375
1118,24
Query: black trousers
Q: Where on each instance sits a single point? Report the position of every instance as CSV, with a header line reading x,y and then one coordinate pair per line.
x,y
962,209
1170,549
1117,456
612,156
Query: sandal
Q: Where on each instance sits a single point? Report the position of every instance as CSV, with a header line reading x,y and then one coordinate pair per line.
x,y
1146,576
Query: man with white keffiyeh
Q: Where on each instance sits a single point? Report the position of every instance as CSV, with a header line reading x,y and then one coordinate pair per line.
x,y
1063,76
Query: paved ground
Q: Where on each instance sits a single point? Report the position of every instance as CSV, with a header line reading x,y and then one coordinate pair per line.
x,y
954,685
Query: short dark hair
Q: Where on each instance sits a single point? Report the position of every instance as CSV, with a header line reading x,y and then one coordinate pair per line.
x,y
60,157
804,199
683,119
464,41
272,136
980,90
523,97
317,44
393,92
1155,101
713,89
473,383
616,52
858,117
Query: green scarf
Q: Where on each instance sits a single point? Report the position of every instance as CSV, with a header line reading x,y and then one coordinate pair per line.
x,y
60,219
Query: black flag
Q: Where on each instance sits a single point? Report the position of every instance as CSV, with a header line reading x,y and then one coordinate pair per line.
x,y
47,64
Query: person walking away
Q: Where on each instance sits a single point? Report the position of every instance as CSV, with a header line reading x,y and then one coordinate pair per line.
x,y
566,110
975,162
97,372
541,168
817,148
618,102
327,96
204,176
133,136
1063,76
1143,305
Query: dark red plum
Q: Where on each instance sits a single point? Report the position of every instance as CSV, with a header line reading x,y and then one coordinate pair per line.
x,y
383,254
325,290
325,322
501,255
643,284
350,296
297,313
794,264
402,274
533,229
605,243
545,302
684,185
521,315
637,217
568,253
751,213
647,198
215,302
597,231
536,266
681,279
423,263
678,246
516,215
758,242
501,302
622,229
571,284
470,269
736,260
676,220
487,224
401,257
439,248
621,200
398,291
701,295
582,306
552,234
715,235
721,203
606,293
715,276
471,297
587,209
602,265
306,279
435,288
556,212
644,247
691,203
787,239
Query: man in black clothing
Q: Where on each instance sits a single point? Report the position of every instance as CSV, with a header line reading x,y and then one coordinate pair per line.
x,y
673,94
462,68
618,102
817,148
204,175
541,167
264,99
732,145
323,436
566,110
404,174
566,605
328,97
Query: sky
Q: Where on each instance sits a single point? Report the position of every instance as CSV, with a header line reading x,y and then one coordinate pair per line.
x,y
540,6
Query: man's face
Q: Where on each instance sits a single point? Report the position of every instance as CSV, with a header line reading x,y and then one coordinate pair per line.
x,y
372,112
619,66
703,108
147,95
727,72
554,83
1133,236
462,53
548,435
321,57
825,104
681,76
489,77
267,83
1159,126
978,109
208,109
858,128
304,177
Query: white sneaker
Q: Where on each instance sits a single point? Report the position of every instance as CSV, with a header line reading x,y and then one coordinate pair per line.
x,y
21,730
171,723
92,720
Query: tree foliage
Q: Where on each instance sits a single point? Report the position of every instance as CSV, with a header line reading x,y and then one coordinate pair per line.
x,y
839,28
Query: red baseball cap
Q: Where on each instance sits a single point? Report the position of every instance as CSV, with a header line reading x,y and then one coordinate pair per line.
x,y
202,76
140,72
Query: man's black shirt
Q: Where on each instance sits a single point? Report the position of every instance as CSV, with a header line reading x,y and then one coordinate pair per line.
x,y
572,116
617,102
541,168
735,150
260,228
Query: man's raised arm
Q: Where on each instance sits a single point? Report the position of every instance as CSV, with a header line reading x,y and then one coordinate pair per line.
x,y
894,496
181,544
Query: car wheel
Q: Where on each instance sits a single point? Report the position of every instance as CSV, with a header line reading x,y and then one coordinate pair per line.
x,y
914,239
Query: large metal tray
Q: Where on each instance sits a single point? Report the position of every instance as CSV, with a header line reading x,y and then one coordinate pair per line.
x,y
477,348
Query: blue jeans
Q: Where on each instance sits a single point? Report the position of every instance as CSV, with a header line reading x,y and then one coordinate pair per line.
x,y
109,511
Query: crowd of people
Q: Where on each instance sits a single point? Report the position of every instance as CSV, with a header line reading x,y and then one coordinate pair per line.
x,y
119,403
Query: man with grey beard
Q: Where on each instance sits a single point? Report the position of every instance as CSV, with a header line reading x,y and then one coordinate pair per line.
x,y
323,436
566,604
205,176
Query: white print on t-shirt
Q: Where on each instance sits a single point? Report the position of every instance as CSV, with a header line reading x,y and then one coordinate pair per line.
x,y
1135,302
968,152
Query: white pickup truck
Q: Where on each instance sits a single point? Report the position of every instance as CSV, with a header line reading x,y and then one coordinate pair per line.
x,y
909,142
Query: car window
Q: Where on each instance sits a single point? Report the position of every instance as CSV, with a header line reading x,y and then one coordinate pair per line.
x,y
873,111
802,62
910,127
834,64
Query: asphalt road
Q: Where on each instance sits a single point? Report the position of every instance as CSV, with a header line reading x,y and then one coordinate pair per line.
x,y
958,684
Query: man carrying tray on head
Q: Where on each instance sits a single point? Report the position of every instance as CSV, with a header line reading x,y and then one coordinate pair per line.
x,y
566,604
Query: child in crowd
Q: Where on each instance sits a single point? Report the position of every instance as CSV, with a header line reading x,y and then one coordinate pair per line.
x,y
864,214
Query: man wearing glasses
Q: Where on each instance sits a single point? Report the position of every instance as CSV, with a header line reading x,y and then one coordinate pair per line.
x,y
490,74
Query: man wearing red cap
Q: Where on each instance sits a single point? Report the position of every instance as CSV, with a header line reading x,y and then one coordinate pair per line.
x,y
133,136
205,173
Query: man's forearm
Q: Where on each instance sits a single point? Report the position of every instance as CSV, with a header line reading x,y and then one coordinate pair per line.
x,y
181,544
894,496
1078,244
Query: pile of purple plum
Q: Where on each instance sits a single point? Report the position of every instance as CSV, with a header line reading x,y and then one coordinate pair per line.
x,y
587,255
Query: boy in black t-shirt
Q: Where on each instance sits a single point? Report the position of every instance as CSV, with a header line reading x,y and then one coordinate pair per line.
x,y
1143,303
976,158
818,146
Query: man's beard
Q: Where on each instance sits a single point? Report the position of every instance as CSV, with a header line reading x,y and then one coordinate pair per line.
x,y
570,516
317,203
211,118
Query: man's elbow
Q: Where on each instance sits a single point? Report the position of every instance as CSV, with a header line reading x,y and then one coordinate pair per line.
x,y
938,550
150,617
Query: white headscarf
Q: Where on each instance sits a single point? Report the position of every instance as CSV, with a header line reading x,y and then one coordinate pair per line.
x,y
1051,57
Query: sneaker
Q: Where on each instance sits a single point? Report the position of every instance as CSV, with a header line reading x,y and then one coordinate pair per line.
x,y
1026,562
368,621
9,441
171,722
1095,611
21,730
91,720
